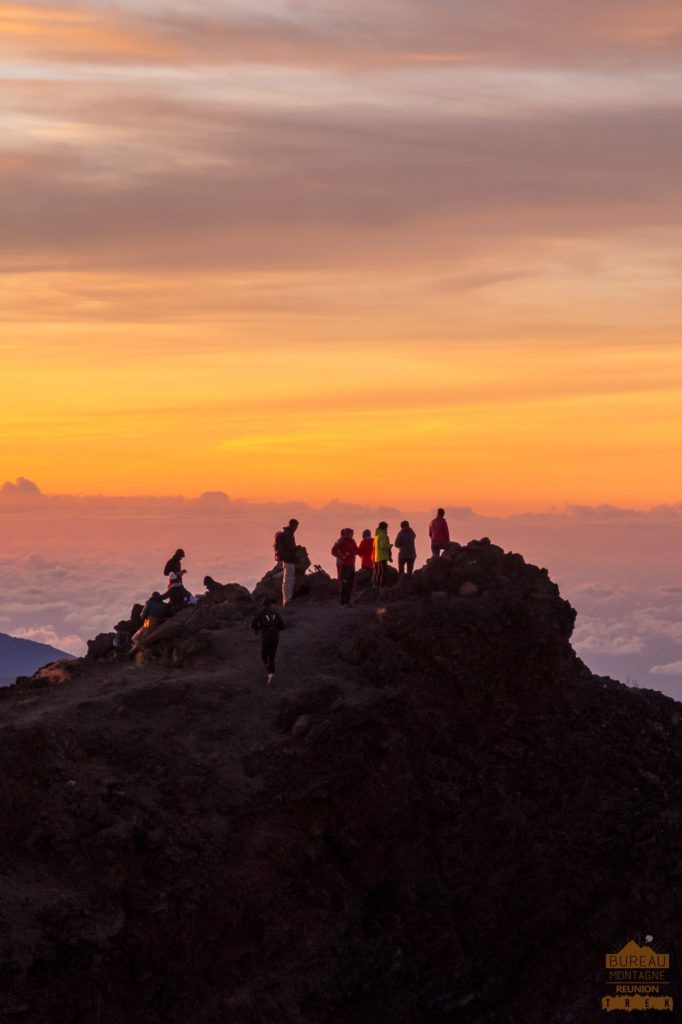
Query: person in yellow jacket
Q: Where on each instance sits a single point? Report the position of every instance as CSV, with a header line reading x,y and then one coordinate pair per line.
x,y
382,554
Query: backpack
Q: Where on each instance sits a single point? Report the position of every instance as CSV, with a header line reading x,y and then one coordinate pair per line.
x,y
278,553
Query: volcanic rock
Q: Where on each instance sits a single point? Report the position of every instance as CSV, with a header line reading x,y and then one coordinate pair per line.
x,y
437,814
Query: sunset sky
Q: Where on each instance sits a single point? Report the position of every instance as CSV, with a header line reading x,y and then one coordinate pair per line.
x,y
403,251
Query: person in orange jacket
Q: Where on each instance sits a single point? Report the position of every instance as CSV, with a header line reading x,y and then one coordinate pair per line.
x,y
345,552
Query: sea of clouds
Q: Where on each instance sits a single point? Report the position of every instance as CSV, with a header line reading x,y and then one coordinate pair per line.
x,y
74,565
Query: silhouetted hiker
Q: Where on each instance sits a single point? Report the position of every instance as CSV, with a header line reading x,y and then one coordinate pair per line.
x,y
366,550
439,533
407,551
345,551
176,595
382,554
174,564
285,552
268,623
153,613
211,585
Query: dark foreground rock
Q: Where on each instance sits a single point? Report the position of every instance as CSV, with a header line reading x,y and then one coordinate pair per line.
x,y
438,815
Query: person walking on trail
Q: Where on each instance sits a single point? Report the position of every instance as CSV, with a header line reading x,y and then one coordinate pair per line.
x,y
285,552
366,550
345,551
382,554
439,534
174,564
407,553
269,624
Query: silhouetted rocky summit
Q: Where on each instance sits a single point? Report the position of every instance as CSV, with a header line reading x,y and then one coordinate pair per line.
x,y
437,814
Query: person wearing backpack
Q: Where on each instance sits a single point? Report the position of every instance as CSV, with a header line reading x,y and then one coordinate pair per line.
x,y
285,553
269,624
174,564
407,551
382,554
345,551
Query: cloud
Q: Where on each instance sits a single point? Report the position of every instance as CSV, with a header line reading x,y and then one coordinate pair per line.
x,y
70,644
350,34
597,592
21,488
381,185
619,571
600,638
674,668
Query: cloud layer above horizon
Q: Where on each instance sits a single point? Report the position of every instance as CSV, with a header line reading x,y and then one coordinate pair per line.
x,y
267,237
74,565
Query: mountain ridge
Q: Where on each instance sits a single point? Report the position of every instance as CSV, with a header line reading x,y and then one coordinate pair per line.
x,y
438,814
20,657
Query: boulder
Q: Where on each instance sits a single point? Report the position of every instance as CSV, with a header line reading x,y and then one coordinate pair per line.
x,y
271,584
101,647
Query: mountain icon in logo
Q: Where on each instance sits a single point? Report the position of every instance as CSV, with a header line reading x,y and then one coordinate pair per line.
x,y
634,956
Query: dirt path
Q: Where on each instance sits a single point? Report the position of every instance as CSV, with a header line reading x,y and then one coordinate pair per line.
x,y
311,631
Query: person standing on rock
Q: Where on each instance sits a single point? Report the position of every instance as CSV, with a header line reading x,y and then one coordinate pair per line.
x,y
382,554
345,552
285,552
366,551
174,564
269,624
407,551
439,534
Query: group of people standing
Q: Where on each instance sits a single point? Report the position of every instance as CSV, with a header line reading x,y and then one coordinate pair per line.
x,y
374,552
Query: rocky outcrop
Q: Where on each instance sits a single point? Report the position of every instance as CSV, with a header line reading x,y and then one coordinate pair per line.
x,y
437,815
271,584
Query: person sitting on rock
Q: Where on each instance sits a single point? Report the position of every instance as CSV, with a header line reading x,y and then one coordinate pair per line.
x,y
269,624
407,551
174,564
153,614
345,551
366,550
439,534
211,585
176,595
382,554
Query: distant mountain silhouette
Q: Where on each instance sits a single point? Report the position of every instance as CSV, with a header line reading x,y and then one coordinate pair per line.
x,y
24,657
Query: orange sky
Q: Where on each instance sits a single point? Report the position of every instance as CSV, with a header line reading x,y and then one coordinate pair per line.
x,y
396,254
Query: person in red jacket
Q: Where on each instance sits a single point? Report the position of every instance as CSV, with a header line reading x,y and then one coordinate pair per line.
x,y
345,551
366,550
439,533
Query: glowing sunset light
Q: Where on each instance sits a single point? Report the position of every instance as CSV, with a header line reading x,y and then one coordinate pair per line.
x,y
340,251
